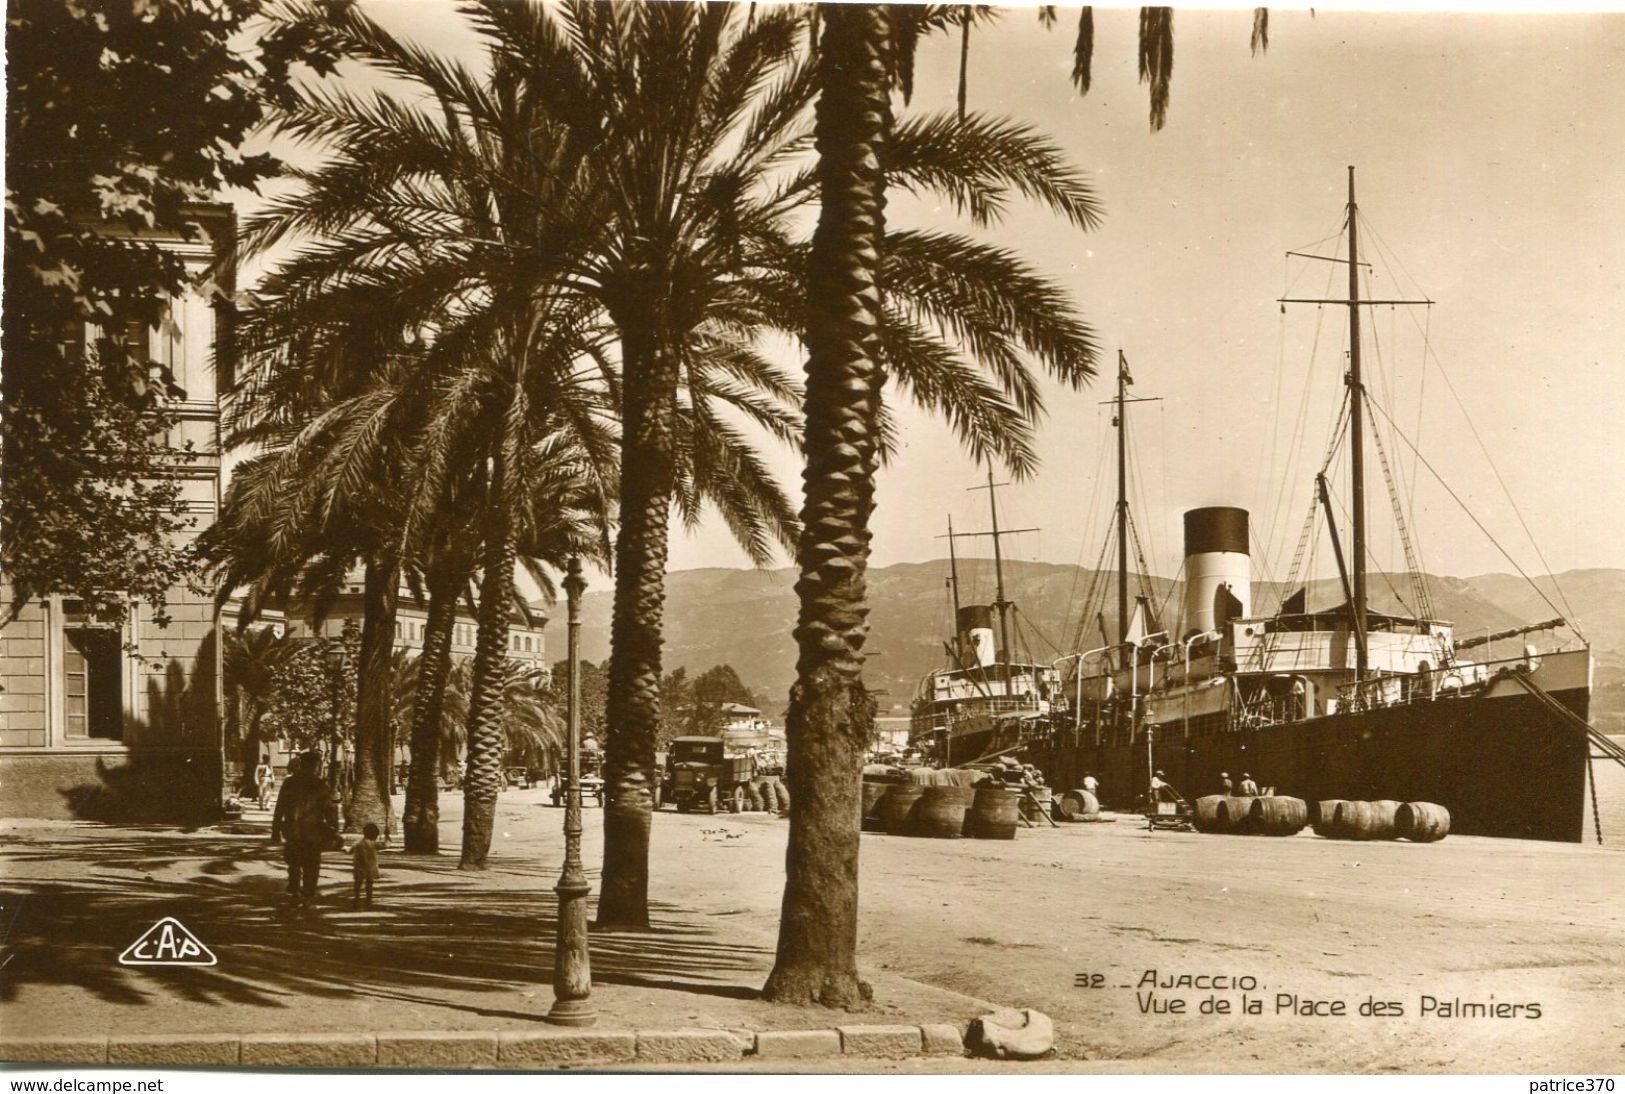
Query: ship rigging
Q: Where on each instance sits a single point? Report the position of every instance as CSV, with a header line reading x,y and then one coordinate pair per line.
x,y
1339,702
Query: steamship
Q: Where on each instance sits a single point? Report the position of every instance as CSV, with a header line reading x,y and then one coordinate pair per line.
x,y
1343,702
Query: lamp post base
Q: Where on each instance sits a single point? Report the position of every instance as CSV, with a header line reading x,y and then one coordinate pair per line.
x,y
573,1012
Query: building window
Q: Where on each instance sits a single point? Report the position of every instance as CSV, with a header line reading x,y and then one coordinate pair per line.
x,y
527,643
92,681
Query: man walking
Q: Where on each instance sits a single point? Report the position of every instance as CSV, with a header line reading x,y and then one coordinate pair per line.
x,y
302,819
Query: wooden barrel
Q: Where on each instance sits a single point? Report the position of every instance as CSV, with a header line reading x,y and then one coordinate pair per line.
x,y
1235,815
941,813
1206,817
1323,816
873,791
1037,803
1422,822
1364,821
1078,803
898,807
1387,812
993,814
1278,816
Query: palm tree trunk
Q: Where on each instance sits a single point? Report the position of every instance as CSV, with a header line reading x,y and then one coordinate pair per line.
x,y
632,707
830,712
420,820
370,802
482,774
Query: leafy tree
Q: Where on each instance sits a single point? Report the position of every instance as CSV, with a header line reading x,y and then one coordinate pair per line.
x,y
99,165
312,702
711,691
676,699
594,695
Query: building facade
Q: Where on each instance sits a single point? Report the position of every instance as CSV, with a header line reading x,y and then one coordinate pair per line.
x,y
122,723
526,628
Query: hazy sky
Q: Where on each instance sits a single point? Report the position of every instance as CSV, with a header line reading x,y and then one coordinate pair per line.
x,y
1489,151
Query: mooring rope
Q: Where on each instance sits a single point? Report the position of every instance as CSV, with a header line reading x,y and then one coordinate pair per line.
x,y
1596,814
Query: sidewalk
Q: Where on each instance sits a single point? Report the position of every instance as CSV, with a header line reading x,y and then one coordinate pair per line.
x,y
441,950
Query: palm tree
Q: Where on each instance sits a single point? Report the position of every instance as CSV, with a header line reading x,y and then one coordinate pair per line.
x,y
858,278
532,720
439,211
248,666
297,519
830,711
699,126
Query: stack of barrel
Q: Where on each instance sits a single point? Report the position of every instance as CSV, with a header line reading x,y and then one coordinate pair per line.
x,y
1419,822
945,804
1238,815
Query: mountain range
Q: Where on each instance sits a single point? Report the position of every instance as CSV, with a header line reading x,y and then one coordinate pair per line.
x,y
744,618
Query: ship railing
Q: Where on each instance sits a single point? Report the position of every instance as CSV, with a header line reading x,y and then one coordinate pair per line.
x,y
1447,682
964,712
1271,712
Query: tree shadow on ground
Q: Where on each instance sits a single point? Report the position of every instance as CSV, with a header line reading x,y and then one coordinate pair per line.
x,y
436,936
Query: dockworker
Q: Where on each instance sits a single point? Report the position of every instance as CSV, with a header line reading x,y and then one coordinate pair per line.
x,y
1160,790
303,819
1227,786
1092,784
1249,789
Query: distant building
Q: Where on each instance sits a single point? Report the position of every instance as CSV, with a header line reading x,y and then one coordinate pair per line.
x,y
526,638
738,716
110,723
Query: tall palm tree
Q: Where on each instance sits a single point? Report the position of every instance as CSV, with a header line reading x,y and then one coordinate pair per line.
x,y
830,712
859,279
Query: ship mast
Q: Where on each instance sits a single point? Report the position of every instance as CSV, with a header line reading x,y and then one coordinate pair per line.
x,y
999,601
953,580
1356,441
1120,421
1356,388
1122,500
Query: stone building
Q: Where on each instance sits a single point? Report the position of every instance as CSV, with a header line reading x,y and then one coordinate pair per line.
x,y
106,723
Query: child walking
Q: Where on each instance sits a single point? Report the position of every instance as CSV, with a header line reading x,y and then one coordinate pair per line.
x,y
365,858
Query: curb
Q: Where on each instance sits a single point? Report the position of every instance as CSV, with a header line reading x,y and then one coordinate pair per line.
x,y
542,1049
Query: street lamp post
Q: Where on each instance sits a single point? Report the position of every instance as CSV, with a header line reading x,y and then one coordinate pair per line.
x,y
572,964
333,655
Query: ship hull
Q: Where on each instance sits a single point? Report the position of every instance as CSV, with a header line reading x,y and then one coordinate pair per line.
x,y
1501,763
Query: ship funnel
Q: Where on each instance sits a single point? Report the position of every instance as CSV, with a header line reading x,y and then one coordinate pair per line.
x,y
976,635
1218,570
